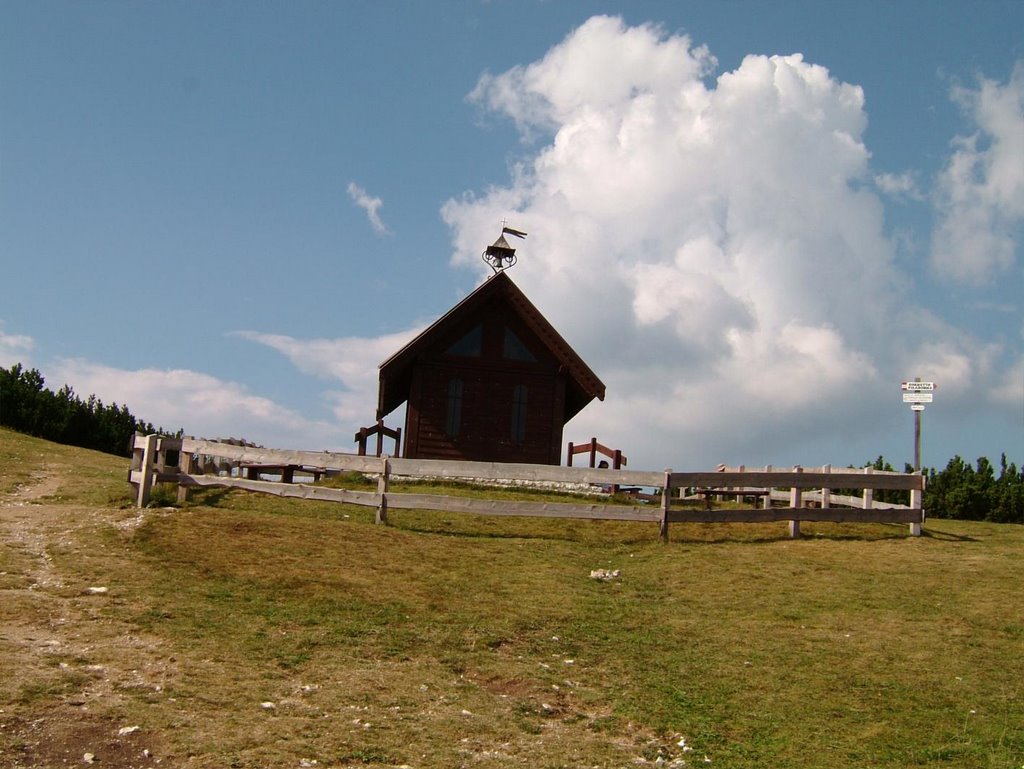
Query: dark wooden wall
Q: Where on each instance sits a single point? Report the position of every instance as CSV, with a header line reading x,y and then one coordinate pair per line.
x,y
489,381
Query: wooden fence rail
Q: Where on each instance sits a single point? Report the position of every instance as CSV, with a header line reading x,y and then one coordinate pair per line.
x,y
181,461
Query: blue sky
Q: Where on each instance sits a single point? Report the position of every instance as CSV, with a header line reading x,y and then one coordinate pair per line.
x,y
752,220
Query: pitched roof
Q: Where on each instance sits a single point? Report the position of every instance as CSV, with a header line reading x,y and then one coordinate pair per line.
x,y
395,374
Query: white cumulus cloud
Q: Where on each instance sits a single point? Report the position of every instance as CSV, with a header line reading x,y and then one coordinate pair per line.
x,y
981,190
716,249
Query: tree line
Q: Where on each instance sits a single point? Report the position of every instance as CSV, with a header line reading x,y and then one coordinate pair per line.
x,y
27,406
976,493
960,490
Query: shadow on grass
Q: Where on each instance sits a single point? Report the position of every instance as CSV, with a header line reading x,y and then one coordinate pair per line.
x,y
529,531
598,532
777,531
209,497
946,536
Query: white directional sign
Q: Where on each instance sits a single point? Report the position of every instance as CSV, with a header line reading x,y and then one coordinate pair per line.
x,y
917,407
918,397
917,387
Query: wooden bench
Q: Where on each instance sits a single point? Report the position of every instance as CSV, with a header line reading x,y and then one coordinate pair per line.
x,y
287,472
711,491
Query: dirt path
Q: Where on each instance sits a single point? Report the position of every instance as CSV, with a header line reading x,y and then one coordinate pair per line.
x,y
66,665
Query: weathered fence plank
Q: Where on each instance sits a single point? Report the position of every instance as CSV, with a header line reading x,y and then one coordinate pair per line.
x,y
257,456
431,468
778,514
506,507
852,479
291,490
498,471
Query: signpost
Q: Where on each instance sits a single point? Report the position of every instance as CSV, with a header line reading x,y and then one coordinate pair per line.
x,y
917,393
917,397
917,386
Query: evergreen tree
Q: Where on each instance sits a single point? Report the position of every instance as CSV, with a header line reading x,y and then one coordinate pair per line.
x,y
63,417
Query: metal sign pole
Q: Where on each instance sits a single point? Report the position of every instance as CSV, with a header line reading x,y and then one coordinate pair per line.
x,y
917,437
917,441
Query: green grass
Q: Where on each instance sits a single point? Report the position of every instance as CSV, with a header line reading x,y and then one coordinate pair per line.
x,y
100,478
448,640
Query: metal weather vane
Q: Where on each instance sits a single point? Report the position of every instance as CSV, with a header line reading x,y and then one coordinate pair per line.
x,y
500,255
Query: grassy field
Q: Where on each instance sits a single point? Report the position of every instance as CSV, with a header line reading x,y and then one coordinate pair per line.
x,y
249,631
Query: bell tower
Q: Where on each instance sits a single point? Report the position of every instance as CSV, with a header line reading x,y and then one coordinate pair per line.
x,y
500,255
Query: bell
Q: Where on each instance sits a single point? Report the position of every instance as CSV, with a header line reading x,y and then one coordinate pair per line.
x,y
499,252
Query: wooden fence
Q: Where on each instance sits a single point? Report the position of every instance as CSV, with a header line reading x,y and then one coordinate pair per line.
x,y
189,463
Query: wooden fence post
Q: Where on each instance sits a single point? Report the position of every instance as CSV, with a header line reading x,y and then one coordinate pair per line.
x,y
146,467
795,500
869,494
186,466
185,462
767,503
136,447
666,504
917,503
161,456
616,465
826,493
382,490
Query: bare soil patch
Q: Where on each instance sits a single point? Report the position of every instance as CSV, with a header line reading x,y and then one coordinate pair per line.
x,y
68,666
